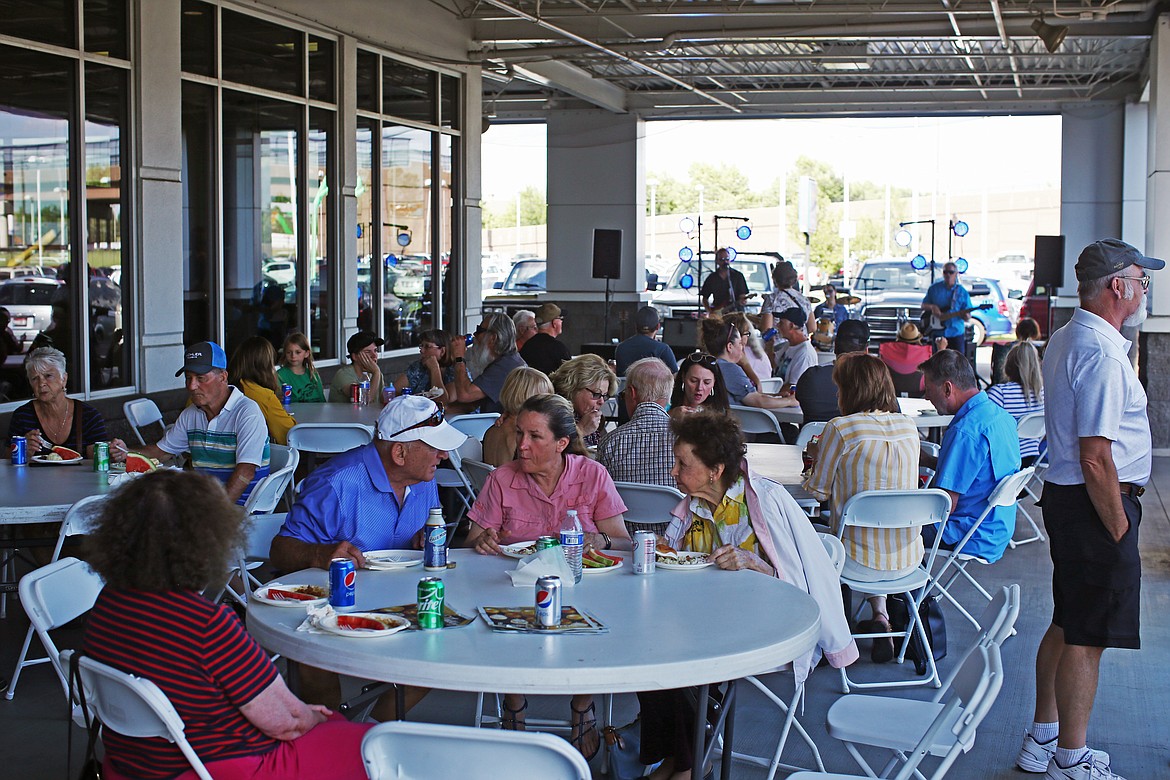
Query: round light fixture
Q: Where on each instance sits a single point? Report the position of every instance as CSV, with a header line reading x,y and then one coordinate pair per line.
x,y
960,228
903,237
918,263
961,264
403,239
744,232
731,254
685,254
686,281
686,225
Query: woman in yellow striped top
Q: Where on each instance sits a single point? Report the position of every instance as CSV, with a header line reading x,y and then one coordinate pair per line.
x,y
870,447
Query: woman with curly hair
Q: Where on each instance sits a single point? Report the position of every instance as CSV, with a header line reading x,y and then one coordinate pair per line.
x,y
253,370
158,541
586,381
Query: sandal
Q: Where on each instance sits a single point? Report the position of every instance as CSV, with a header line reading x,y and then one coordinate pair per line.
x,y
882,651
509,720
585,724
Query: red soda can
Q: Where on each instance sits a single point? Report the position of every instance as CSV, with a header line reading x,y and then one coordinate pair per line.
x,y
286,395
355,393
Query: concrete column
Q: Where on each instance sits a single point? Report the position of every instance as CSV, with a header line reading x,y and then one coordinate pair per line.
x,y
346,146
1155,365
596,179
158,283
469,292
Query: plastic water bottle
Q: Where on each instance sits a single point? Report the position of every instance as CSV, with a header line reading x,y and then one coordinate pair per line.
x,y
573,542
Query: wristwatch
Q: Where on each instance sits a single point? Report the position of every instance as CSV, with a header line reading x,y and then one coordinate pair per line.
x,y
608,542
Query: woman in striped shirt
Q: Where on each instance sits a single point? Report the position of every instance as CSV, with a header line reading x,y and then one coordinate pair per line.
x,y
870,447
1023,393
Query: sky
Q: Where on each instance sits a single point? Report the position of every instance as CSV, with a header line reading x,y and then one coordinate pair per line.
x,y
955,154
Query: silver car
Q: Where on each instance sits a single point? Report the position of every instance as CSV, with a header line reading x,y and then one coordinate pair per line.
x,y
29,299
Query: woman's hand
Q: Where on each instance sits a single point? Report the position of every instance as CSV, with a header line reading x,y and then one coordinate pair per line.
x,y
36,441
737,558
488,542
589,422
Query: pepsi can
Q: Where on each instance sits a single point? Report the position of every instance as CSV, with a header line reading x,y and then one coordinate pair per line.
x,y
342,583
286,395
470,339
770,334
19,451
645,552
405,391
387,394
548,602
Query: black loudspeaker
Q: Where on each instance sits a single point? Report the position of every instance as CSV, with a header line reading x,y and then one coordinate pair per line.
x,y
607,253
1049,268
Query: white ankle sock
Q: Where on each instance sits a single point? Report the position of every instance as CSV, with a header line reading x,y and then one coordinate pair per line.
x,y
1045,732
1066,758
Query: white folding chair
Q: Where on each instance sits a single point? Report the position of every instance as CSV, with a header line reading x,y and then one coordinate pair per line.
x,y
955,563
401,749
257,542
836,550
947,729
454,477
268,492
474,425
477,472
757,422
897,509
140,413
329,438
771,384
807,431
133,707
648,507
1031,426
52,596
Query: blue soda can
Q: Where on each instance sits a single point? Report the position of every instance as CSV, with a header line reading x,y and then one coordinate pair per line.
x,y
769,334
548,602
342,583
387,394
470,339
405,391
19,451
286,395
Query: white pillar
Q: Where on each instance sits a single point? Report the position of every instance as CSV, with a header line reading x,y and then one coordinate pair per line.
x,y
1156,330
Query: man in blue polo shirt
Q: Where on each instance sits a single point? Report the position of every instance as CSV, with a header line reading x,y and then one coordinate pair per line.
x,y
979,449
944,299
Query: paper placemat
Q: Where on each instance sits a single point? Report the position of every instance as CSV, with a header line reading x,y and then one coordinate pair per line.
x,y
451,618
522,620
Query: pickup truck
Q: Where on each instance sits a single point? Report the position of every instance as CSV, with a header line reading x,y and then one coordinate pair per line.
x,y
680,297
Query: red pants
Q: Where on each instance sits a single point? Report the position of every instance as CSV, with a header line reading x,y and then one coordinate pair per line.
x,y
330,750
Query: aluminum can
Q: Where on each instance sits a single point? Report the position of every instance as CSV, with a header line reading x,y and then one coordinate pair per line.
x,y
544,542
355,393
19,451
286,395
435,546
470,339
342,583
101,456
387,394
431,593
405,391
548,601
645,552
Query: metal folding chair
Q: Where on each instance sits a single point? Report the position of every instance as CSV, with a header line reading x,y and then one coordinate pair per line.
x,y
474,425
648,507
141,412
757,422
1031,426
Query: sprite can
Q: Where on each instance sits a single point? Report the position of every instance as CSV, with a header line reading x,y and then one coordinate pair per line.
x,y
544,542
101,456
430,603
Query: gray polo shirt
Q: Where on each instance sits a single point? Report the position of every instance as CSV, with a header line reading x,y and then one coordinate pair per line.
x,y
1091,389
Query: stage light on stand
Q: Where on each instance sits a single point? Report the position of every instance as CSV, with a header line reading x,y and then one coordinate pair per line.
x,y
686,225
686,281
903,238
731,253
918,263
686,254
744,232
961,264
404,239
960,228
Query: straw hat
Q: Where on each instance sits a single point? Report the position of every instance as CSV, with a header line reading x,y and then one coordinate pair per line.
x,y
909,333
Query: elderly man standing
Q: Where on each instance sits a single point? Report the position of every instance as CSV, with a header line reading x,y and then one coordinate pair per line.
x,y
1099,451
363,351
222,429
979,449
525,322
374,497
642,450
544,351
495,338
644,343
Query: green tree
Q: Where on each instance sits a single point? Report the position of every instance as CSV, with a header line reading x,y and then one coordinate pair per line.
x,y
502,214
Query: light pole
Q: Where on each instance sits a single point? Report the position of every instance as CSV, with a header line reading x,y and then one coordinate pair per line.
x,y
37,161
653,218
62,236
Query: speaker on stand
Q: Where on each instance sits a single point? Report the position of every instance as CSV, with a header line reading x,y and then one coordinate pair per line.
x,y
1048,270
607,263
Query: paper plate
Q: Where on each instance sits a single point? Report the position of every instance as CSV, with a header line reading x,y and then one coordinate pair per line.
x,y
392,624
606,570
518,549
700,561
43,460
392,560
261,594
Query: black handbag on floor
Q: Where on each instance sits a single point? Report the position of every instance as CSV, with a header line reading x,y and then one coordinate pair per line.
x,y
931,615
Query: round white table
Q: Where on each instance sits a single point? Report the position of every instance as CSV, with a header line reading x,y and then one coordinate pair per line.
x,y
362,414
921,411
41,494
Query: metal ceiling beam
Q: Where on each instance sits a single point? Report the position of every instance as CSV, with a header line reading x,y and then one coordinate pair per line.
x,y
577,82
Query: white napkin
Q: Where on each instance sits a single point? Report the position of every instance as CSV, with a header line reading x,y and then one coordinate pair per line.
x,y
314,618
543,563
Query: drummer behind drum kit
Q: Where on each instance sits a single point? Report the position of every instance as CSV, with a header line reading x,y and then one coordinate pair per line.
x,y
822,337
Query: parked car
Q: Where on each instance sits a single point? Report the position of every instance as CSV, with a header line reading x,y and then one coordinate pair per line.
x,y
1036,302
30,299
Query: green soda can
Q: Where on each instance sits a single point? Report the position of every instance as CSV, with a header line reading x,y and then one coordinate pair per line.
x,y
430,603
544,542
101,456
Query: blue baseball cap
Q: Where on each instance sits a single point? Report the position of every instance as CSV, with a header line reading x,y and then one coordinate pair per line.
x,y
202,357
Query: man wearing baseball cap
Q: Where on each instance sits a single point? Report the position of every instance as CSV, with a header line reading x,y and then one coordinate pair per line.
x,y
374,497
363,351
544,351
1099,452
644,343
222,429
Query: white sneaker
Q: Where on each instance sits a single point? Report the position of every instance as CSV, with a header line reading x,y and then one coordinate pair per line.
x,y
1089,769
1034,756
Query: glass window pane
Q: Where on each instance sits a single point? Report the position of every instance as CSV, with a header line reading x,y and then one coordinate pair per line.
x,y
198,210
322,310
451,263
408,92
107,215
34,207
262,54
47,21
106,28
260,263
368,272
198,34
404,190
449,108
367,81
321,70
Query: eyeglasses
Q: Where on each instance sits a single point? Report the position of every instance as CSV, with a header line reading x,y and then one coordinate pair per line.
x,y
596,395
1144,280
950,273
431,422
700,358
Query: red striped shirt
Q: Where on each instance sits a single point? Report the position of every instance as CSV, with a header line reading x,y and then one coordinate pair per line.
x,y
201,657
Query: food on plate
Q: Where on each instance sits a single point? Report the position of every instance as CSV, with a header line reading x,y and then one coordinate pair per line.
x,y
297,593
597,560
528,549
51,456
361,623
665,549
681,558
63,453
136,462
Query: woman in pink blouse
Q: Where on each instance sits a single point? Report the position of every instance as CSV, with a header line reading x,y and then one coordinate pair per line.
x,y
529,497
